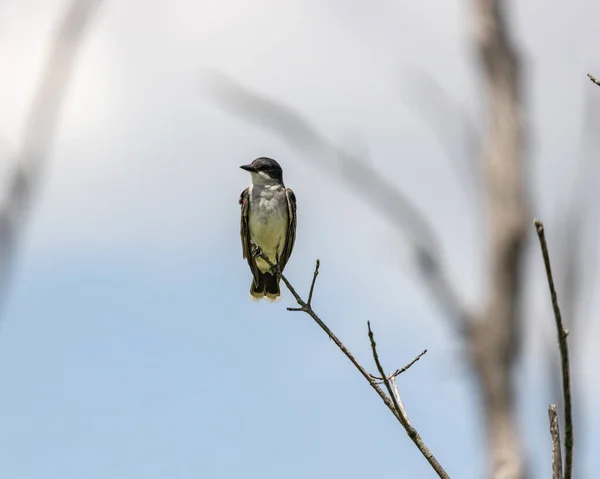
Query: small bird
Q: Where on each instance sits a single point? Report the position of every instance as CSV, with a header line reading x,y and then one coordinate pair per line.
x,y
269,222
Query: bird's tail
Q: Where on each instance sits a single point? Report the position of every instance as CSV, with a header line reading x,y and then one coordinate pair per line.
x,y
266,285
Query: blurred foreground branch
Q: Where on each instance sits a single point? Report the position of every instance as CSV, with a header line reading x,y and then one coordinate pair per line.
x,y
392,401
451,123
22,183
564,353
594,79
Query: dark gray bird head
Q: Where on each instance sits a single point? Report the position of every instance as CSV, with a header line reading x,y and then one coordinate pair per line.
x,y
265,171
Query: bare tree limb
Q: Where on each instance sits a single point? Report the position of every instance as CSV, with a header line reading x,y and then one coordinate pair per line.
x,y
496,340
594,79
564,353
306,307
556,450
375,189
40,127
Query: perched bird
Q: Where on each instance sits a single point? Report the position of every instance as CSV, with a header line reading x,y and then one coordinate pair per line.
x,y
269,222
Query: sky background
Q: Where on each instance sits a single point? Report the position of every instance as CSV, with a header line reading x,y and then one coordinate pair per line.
x,y
130,347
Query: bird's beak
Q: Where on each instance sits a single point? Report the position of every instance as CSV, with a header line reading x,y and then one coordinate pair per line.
x,y
249,168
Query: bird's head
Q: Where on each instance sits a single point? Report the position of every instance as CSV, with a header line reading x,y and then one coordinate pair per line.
x,y
264,171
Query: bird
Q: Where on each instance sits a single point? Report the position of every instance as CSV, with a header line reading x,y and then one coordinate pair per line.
x,y
268,220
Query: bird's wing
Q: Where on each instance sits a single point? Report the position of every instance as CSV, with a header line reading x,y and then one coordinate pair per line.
x,y
245,232
291,232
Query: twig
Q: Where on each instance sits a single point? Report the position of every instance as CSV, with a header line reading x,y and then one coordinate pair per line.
x,y
594,79
400,371
555,433
390,403
564,353
312,287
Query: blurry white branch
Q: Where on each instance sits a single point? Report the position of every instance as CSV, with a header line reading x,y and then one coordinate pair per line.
x,y
594,79
453,126
22,183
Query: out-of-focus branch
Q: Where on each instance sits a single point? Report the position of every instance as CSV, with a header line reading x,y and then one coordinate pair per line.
x,y
564,353
497,333
306,307
451,124
374,188
555,435
594,79
39,130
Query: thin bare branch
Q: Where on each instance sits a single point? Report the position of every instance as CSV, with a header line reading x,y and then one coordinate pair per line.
x,y
40,127
306,307
564,353
312,285
375,189
400,371
594,79
555,434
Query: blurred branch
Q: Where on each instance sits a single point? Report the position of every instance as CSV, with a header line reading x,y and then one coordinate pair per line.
x,y
306,307
39,130
497,332
555,435
564,353
375,189
579,218
449,121
594,79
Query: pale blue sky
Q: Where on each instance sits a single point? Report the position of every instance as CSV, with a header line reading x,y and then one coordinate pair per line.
x,y
130,348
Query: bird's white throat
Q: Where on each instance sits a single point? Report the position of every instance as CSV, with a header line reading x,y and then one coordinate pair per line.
x,y
263,179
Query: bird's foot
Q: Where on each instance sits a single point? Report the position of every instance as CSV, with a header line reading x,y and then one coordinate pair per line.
x,y
277,267
255,250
